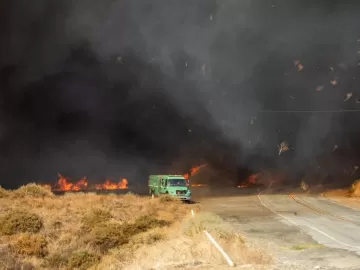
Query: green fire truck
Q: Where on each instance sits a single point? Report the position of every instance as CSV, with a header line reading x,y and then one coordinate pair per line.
x,y
174,185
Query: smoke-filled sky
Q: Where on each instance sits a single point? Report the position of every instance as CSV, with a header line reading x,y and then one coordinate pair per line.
x,y
122,88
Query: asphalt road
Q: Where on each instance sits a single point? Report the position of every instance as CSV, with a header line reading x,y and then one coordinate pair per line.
x,y
301,231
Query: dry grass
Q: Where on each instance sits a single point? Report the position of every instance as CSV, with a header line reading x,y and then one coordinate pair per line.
x,y
305,246
185,247
82,231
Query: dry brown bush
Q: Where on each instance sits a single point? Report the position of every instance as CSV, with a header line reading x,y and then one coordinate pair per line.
x,y
18,221
33,190
30,245
3,192
55,261
106,237
82,260
143,224
167,198
96,217
154,237
110,235
10,262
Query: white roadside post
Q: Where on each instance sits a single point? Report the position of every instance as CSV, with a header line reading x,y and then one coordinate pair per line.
x,y
220,249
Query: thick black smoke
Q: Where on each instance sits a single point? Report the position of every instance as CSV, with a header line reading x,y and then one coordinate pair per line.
x,y
128,88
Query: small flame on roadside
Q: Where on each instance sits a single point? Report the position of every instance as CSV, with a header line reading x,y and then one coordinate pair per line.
x,y
65,184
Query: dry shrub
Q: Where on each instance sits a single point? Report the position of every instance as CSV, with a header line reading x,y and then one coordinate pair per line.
x,y
55,261
95,217
167,198
106,237
30,245
9,261
3,192
149,237
57,225
82,260
20,222
110,235
210,222
143,224
355,189
154,237
33,190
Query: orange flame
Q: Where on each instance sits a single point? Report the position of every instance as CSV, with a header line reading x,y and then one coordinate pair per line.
x,y
194,170
64,184
122,184
251,180
199,185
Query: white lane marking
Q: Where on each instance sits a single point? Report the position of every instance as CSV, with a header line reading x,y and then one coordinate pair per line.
x,y
333,201
311,227
289,220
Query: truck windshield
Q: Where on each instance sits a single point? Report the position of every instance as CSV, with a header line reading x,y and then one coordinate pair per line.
x,y
177,182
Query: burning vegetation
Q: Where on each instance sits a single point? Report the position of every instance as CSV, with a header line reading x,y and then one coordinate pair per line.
x,y
65,184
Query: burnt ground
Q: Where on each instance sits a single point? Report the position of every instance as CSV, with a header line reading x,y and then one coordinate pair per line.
x,y
301,232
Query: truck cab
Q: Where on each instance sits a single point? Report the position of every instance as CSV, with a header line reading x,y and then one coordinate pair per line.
x,y
174,185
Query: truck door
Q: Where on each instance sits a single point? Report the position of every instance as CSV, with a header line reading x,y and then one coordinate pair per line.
x,y
163,184
162,180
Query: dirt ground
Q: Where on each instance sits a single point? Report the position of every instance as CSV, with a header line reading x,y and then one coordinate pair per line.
x,y
303,232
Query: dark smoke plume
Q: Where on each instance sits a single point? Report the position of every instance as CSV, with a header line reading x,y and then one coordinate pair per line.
x,y
127,88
